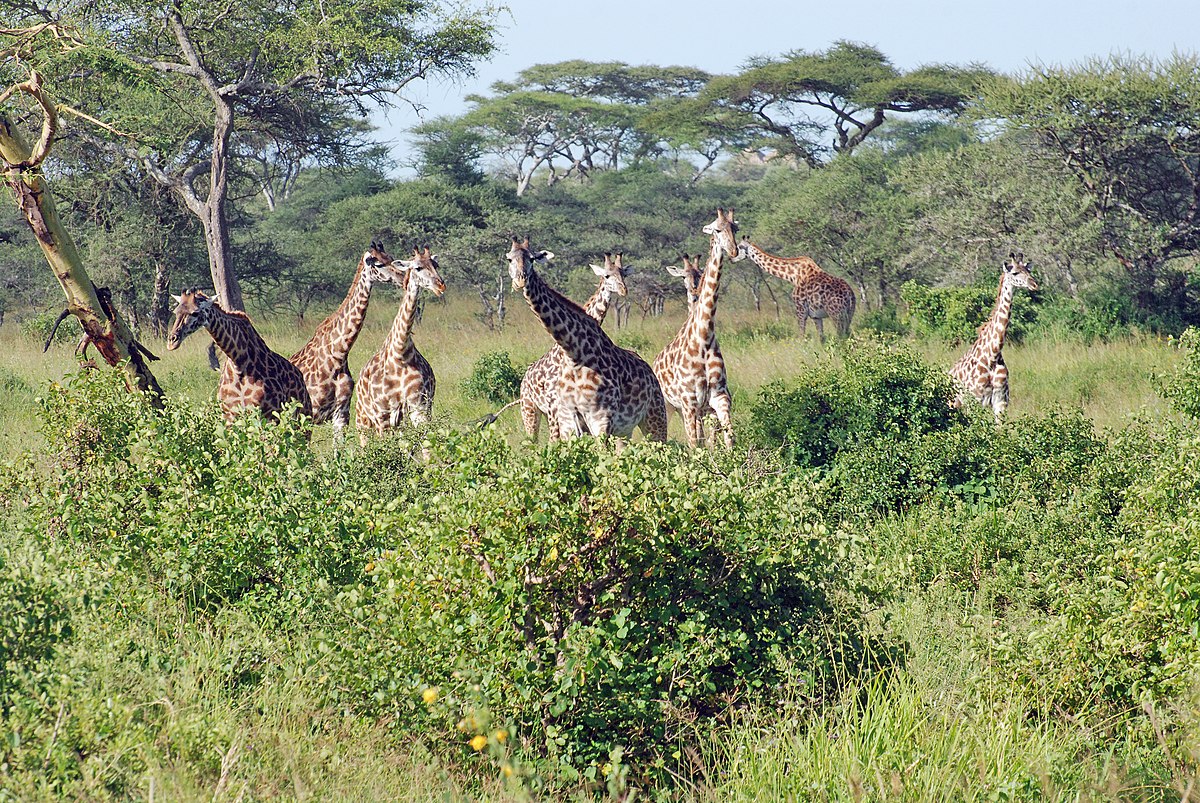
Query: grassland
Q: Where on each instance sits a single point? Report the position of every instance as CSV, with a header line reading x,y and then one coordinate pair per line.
x,y
925,733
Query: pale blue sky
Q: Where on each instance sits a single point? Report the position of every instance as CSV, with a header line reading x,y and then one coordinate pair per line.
x,y
719,36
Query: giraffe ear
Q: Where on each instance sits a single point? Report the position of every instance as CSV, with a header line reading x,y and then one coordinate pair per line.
x,y
542,256
599,270
177,299
676,271
626,270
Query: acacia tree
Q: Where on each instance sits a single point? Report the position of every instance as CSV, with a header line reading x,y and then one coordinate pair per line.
x,y
572,118
792,104
1128,130
174,84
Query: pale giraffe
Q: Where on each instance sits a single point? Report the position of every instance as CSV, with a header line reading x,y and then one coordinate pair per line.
x,y
691,273
981,372
397,380
603,390
324,358
253,375
816,294
539,386
691,370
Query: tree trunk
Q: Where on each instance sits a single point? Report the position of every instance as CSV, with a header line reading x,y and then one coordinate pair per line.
x,y
214,219
104,327
160,312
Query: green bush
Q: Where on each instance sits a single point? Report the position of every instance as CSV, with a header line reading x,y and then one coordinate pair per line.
x,y
493,378
956,313
1182,388
583,601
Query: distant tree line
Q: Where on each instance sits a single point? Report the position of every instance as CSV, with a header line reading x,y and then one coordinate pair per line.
x,y
884,176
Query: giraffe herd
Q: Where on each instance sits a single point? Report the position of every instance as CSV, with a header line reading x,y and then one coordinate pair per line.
x,y
585,384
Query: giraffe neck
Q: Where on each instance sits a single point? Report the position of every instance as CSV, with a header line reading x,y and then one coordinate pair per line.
x,y
566,321
398,345
991,334
338,332
789,270
597,306
235,335
703,319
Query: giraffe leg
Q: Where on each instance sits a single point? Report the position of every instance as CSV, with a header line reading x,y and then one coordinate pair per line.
x,y
654,423
531,418
722,405
691,426
343,388
821,329
999,381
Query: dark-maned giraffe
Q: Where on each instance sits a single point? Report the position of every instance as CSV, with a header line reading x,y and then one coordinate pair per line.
x,y
981,372
816,294
397,380
539,386
603,390
691,370
253,376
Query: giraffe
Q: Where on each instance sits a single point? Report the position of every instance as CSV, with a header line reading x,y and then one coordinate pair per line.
x,y
692,274
981,372
603,390
691,369
815,293
323,359
540,383
253,375
397,380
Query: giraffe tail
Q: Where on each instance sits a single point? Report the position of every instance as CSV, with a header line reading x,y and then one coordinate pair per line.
x,y
490,418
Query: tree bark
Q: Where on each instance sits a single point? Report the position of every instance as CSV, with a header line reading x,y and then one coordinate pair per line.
x,y
104,327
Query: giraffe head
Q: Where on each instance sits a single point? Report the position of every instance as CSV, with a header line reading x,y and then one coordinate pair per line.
x,y
724,229
1016,272
377,267
193,310
691,273
613,272
422,269
520,262
743,249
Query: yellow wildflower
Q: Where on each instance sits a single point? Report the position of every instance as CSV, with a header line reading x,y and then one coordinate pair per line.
x,y
507,770
430,695
501,736
478,742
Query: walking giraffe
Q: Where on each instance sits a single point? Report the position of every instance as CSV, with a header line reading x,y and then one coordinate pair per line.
x,y
691,370
981,372
815,293
323,360
603,390
397,380
539,386
253,376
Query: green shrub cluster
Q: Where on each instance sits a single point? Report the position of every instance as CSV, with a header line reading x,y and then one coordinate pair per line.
x,y
589,601
955,313
38,328
493,378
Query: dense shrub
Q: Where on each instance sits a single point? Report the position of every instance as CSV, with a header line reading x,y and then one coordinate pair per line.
x,y
1182,389
581,600
493,378
956,313
210,511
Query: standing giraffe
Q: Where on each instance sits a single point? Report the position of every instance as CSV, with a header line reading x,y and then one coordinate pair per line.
x,y
603,390
691,369
253,376
815,293
981,372
323,359
397,380
539,386
691,273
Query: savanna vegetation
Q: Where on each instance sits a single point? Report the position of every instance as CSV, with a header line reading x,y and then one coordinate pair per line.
x,y
873,596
